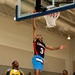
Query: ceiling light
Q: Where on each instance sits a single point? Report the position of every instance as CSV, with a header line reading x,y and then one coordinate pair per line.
x,y
69,37
14,18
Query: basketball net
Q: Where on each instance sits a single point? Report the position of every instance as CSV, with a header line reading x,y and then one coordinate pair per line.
x,y
51,19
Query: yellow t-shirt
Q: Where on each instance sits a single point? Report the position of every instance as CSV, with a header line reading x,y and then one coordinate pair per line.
x,y
14,72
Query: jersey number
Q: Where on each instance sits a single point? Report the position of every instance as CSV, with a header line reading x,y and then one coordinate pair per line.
x,y
42,51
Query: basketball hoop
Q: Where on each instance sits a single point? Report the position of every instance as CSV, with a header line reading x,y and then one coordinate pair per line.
x,y
51,19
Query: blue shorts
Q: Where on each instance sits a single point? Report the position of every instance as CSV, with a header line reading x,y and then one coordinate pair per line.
x,y
37,62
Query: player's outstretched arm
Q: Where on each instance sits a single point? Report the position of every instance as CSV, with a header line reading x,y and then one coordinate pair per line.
x,y
61,47
34,29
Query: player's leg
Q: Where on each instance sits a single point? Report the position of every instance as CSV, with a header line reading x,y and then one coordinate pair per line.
x,y
37,72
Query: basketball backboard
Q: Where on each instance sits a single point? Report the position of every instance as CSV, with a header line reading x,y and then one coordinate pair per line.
x,y
25,8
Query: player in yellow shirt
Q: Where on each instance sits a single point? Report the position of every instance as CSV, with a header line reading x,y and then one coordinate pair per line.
x,y
14,70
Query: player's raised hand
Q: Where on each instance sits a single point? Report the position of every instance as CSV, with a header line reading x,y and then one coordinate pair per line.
x,y
62,47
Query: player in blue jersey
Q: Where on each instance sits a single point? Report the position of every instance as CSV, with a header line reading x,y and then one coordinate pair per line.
x,y
39,50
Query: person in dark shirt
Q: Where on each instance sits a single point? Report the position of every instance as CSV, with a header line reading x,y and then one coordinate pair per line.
x,y
65,72
73,73
39,50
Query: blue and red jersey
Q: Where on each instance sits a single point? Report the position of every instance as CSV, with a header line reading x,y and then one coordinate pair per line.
x,y
39,48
